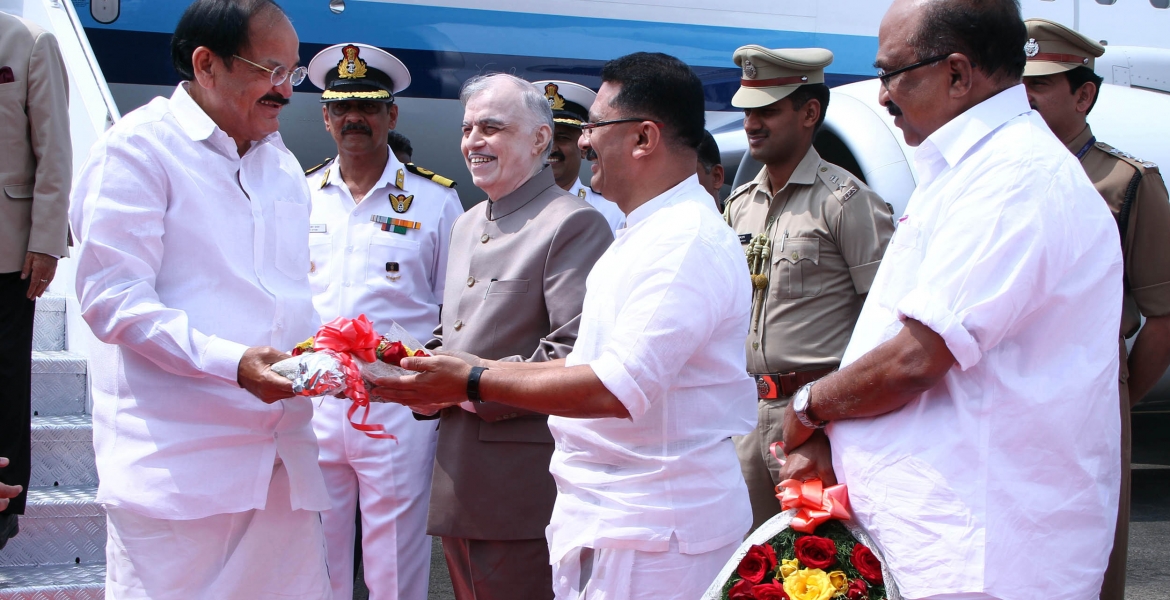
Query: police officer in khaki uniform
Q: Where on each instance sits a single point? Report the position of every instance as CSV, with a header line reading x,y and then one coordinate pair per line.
x,y
1062,86
814,237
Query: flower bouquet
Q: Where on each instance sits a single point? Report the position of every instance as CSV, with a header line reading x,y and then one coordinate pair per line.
x,y
342,357
809,552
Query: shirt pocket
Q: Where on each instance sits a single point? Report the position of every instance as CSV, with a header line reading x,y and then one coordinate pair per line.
x,y
795,270
391,262
320,257
292,233
508,286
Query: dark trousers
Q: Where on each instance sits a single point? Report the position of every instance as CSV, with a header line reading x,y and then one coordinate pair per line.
x,y
16,333
499,570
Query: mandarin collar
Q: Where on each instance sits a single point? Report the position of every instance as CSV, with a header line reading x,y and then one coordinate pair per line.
x,y
518,198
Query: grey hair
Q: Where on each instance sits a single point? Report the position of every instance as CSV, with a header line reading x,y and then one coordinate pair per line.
x,y
534,103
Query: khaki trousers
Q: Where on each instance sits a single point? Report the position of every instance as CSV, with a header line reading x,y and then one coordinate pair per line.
x,y
499,569
761,471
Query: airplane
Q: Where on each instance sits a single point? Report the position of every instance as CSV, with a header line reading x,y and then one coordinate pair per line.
x,y
118,57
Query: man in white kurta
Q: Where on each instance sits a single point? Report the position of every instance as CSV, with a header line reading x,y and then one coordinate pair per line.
x,y
361,263
650,498
975,418
193,272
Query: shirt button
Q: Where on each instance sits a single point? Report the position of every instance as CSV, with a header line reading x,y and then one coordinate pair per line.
x,y
484,238
349,284
349,248
470,281
458,325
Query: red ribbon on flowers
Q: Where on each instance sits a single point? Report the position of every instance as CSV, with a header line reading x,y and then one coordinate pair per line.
x,y
813,504
342,337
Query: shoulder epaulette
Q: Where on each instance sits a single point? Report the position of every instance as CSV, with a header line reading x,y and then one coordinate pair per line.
x,y
318,167
421,172
840,183
1141,165
732,197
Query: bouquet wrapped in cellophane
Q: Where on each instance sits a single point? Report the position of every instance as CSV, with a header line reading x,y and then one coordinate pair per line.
x,y
342,357
811,551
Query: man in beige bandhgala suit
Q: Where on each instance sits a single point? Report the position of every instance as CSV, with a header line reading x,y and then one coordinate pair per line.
x,y
34,215
515,283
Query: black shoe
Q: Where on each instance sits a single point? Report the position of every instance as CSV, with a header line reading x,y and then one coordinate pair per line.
x,y
9,527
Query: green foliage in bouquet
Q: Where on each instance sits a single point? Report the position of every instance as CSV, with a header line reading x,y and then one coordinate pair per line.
x,y
827,564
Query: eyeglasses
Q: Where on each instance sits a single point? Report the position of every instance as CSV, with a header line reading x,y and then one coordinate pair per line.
x,y
281,73
886,77
340,108
587,128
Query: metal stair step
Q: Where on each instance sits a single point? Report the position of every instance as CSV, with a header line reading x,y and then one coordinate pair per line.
x,y
61,525
62,451
58,383
57,582
49,323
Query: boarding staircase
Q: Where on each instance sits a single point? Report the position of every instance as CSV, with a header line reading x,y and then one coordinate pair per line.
x,y
60,553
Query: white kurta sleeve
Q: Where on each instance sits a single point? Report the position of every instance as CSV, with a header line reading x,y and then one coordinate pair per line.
x,y
118,209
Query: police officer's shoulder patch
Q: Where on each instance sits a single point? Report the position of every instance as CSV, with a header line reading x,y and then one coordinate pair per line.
x,y
312,170
732,197
427,173
839,181
1143,166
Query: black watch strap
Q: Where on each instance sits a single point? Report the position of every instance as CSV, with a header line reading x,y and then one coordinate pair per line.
x,y
473,384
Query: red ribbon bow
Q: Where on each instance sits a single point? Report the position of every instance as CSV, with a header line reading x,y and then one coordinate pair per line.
x,y
813,504
342,338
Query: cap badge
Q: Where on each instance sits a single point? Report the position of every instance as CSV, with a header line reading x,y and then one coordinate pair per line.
x,y
555,100
1031,48
351,65
749,70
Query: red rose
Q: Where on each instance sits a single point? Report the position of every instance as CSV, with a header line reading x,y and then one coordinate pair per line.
x,y
758,561
857,590
815,552
420,352
742,590
769,591
866,563
394,353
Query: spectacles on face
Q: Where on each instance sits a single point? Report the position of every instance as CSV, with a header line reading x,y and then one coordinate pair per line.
x,y
339,109
886,77
280,73
587,128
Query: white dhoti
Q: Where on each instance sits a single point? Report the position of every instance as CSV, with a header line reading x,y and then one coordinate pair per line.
x,y
626,574
392,481
257,554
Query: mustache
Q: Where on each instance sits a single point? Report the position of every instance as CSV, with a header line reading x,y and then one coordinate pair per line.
x,y
895,110
590,155
275,98
557,154
358,127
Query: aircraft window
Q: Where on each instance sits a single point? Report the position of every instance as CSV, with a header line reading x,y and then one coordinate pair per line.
x,y
1107,2
1160,3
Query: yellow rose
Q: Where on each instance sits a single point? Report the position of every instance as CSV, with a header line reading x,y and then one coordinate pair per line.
x,y
788,567
839,580
809,584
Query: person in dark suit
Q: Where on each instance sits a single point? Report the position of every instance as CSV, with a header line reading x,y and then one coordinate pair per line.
x,y
34,225
515,283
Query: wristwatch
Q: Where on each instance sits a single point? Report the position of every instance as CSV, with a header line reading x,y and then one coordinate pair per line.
x,y
800,402
473,383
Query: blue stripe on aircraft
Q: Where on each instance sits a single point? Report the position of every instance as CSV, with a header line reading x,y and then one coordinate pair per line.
x,y
144,58
495,33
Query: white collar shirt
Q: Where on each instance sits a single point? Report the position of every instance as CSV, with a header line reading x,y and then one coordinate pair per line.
x,y
189,255
358,268
662,326
608,209
1003,478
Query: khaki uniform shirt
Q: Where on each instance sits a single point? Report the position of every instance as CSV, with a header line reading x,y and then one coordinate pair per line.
x,y
828,233
1146,243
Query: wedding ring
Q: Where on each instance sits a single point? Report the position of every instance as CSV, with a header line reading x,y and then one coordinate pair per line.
x,y
44,281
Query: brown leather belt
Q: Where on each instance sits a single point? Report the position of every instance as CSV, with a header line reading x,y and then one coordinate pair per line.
x,y
772,386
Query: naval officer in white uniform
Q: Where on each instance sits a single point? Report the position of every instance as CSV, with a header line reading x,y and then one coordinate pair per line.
x,y
570,105
379,232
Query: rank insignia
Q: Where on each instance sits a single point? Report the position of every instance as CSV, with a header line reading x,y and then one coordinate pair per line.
x,y
401,203
555,100
324,179
351,65
581,193
396,225
400,180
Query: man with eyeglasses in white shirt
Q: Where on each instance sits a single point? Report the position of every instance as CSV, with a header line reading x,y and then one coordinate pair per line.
x,y
193,270
378,239
650,498
975,416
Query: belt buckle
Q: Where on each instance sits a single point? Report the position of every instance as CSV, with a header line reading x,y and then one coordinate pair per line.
x,y
765,387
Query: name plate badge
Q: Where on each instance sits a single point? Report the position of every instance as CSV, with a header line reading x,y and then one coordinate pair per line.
x,y
318,228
